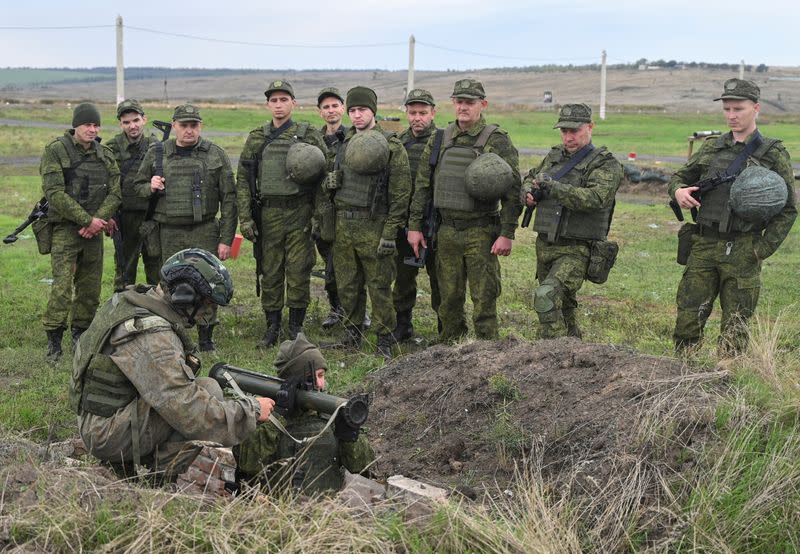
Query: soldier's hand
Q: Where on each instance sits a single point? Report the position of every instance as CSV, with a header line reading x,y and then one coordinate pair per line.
x,y
415,240
266,405
93,228
223,251
386,247
684,198
111,227
285,399
248,230
542,181
502,246
156,184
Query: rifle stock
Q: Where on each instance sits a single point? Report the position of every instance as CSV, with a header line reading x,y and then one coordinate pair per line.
x,y
38,212
429,226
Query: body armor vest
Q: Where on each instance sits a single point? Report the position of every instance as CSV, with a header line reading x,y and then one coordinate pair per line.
x,y
359,190
187,191
414,147
129,163
98,386
272,177
714,206
318,468
450,191
556,221
86,179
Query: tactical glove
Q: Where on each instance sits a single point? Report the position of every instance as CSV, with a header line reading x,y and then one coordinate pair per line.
x,y
248,230
343,431
544,181
333,180
386,247
284,400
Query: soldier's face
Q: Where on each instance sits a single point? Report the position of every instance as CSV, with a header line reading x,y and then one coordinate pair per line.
x,y
319,378
575,139
468,110
280,104
331,110
132,124
741,115
362,117
86,133
420,116
187,133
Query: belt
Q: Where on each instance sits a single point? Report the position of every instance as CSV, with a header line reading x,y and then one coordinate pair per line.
x,y
714,233
565,242
461,224
354,214
285,201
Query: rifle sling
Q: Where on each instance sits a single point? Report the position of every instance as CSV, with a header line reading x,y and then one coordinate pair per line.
x,y
735,166
576,158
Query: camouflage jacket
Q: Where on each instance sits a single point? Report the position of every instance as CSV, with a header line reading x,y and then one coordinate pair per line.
x,y
126,154
776,159
332,143
54,161
410,141
499,143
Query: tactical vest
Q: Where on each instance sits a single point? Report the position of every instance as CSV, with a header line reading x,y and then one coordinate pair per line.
x,y
273,178
414,146
556,221
97,385
714,206
450,191
188,192
86,179
359,190
318,467
129,164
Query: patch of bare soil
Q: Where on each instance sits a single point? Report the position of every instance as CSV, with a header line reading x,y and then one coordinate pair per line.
x,y
464,416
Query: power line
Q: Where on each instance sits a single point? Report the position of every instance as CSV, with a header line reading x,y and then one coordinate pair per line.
x,y
56,28
498,56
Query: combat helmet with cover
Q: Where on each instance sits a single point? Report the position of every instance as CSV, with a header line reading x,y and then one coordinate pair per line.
x,y
305,163
489,177
758,194
367,153
190,275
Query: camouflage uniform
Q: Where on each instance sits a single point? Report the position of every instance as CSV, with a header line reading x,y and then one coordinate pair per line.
x,y
465,236
77,263
324,211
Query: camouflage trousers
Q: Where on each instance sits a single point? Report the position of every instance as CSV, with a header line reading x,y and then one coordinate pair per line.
x,y
358,264
161,447
464,256
131,250
325,249
77,266
725,268
404,291
560,270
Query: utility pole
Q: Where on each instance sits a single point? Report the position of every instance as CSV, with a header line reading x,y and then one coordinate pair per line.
x,y
741,70
603,86
120,64
410,84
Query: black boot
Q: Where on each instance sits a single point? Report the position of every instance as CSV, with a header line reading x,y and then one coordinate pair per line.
x,y
350,340
205,338
296,318
76,335
335,315
404,329
54,344
385,344
270,338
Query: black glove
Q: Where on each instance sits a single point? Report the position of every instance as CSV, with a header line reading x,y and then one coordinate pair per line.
x,y
284,400
342,429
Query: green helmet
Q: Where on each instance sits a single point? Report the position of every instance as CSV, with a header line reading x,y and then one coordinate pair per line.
x,y
489,177
367,152
758,194
194,273
305,163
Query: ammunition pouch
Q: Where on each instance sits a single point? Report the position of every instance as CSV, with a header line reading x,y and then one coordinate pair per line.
x,y
685,234
43,231
602,255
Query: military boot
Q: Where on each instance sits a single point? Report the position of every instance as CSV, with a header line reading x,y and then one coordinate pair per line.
x,y
205,338
54,344
296,318
76,335
350,339
571,321
336,313
405,328
270,338
385,344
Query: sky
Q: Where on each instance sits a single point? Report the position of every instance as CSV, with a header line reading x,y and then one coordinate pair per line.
x,y
374,34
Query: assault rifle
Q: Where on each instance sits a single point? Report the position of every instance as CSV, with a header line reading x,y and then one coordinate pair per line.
x,y
703,186
255,213
354,410
537,194
430,224
38,212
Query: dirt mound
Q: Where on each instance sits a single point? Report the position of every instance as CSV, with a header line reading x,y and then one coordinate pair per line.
x,y
463,416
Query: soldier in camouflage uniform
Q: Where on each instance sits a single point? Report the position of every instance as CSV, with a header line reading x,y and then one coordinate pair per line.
x,y
420,111
133,384
584,198
727,251
472,233
80,180
197,182
371,202
272,457
129,148
286,209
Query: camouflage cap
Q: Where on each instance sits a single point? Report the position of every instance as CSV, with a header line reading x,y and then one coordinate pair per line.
x,y
186,112
296,357
740,89
329,92
468,88
279,85
129,105
572,116
419,95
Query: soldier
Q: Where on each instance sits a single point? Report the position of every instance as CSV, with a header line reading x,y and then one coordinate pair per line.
x,y
129,148
477,169
80,180
372,189
193,180
133,384
576,185
420,111
286,196
272,456
728,246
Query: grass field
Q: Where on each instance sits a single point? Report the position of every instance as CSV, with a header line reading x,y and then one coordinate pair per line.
x,y
20,77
